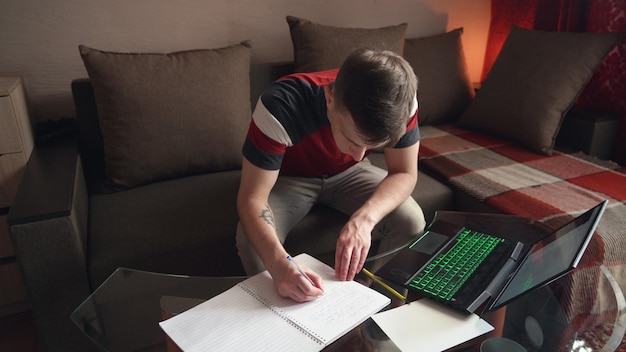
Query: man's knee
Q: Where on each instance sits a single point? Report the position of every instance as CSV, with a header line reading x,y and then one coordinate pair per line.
x,y
411,214
407,220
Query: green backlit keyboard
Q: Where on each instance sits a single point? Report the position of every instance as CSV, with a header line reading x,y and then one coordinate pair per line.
x,y
447,272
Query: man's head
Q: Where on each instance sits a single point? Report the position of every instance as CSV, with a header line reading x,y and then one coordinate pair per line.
x,y
376,89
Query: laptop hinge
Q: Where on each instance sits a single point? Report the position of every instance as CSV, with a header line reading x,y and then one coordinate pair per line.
x,y
478,302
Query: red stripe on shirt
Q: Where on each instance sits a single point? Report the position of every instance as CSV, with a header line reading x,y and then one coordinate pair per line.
x,y
263,142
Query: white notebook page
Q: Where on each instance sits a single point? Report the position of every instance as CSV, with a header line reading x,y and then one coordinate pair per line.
x,y
344,305
234,321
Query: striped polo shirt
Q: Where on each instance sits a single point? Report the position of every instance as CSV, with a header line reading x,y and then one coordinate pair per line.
x,y
290,130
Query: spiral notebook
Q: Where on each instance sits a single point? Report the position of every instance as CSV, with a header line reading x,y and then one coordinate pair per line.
x,y
251,316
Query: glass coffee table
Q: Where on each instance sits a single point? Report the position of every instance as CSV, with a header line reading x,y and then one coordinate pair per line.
x,y
123,314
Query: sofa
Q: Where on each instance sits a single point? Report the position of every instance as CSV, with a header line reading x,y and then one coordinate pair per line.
x,y
149,181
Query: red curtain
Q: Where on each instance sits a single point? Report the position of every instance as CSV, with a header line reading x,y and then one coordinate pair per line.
x,y
606,91
548,15
504,14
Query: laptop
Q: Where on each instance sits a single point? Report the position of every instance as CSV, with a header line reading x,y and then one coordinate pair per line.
x,y
494,270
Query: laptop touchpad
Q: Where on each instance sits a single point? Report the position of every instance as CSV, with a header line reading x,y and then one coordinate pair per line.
x,y
429,243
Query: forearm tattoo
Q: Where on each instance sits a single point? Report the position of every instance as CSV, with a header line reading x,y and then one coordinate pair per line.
x,y
268,216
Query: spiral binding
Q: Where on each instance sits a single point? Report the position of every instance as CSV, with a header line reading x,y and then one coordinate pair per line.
x,y
314,336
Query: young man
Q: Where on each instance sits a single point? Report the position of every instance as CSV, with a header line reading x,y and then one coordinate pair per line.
x,y
307,142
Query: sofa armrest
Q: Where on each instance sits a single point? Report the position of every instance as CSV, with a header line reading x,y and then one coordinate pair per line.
x,y
48,226
46,188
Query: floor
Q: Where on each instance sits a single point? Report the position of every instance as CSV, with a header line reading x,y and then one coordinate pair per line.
x,y
18,334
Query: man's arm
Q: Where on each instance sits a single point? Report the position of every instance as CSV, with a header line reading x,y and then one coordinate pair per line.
x,y
355,239
257,220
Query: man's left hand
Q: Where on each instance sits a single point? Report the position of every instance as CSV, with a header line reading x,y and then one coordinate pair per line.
x,y
353,245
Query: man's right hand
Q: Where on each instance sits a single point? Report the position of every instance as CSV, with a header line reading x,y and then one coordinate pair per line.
x,y
289,282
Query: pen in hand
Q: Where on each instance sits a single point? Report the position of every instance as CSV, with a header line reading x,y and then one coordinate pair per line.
x,y
295,265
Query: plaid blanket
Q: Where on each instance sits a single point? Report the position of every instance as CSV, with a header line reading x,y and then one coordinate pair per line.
x,y
550,189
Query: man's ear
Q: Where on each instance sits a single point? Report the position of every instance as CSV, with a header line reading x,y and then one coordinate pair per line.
x,y
330,96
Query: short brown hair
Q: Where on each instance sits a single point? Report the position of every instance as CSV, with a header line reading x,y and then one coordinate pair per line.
x,y
377,88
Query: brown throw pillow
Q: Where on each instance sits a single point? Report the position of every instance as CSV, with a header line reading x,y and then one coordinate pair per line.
x,y
533,83
445,90
318,47
169,115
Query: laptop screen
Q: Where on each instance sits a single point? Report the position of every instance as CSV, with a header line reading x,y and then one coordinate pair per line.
x,y
552,257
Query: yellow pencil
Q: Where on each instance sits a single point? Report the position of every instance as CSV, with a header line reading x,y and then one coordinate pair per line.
x,y
378,281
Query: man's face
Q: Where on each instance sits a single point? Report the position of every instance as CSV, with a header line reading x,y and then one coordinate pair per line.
x,y
345,133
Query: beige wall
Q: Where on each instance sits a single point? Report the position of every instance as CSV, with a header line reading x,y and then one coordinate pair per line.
x,y
39,38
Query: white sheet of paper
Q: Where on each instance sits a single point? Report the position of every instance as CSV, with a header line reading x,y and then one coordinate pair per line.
x,y
426,326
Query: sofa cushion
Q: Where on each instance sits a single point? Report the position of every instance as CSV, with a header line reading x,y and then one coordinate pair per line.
x,y
181,226
533,83
168,115
319,47
445,90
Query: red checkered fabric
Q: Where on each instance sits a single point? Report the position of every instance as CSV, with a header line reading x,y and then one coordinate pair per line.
x,y
550,189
